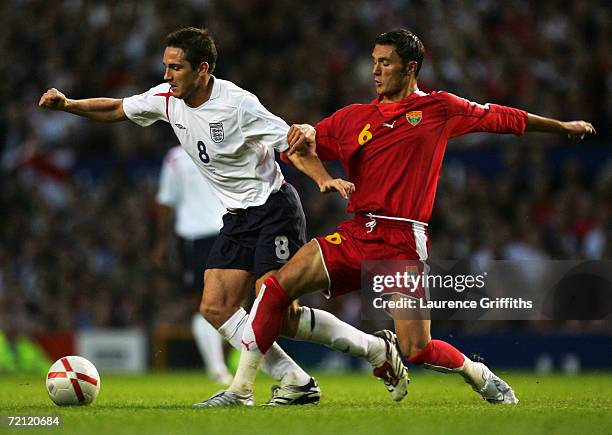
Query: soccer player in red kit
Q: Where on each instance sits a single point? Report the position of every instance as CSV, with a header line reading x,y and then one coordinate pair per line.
x,y
392,150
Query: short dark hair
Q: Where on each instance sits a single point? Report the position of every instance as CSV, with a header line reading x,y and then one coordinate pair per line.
x,y
197,44
407,44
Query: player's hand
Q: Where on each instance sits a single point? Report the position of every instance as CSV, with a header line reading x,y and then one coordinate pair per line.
x,y
343,187
52,99
576,130
301,138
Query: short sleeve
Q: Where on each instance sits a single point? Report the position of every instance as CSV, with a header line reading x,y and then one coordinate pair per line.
x,y
465,116
146,108
169,193
258,124
327,138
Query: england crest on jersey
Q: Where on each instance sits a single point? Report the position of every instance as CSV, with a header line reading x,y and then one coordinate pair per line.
x,y
216,132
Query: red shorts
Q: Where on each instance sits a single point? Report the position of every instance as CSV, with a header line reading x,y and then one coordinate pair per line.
x,y
354,242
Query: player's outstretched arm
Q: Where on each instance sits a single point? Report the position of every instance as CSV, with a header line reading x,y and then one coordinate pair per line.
x,y
575,130
302,145
97,109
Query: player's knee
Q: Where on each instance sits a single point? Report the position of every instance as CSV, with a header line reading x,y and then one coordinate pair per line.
x,y
215,314
207,311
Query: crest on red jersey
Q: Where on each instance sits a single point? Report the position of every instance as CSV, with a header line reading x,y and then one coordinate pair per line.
x,y
412,270
414,117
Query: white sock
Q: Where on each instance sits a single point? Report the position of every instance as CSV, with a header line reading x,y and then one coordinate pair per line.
x,y
210,344
318,326
276,363
474,373
246,373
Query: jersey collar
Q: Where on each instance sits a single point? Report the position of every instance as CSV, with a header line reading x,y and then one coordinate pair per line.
x,y
216,90
417,93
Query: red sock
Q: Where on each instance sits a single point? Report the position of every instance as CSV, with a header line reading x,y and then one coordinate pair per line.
x,y
268,312
439,353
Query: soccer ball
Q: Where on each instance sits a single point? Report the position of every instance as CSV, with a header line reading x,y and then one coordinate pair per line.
x,y
73,380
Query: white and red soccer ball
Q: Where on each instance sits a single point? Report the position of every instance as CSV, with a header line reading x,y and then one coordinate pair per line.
x,y
73,380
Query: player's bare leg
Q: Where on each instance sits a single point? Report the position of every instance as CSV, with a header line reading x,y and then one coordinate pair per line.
x,y
415,342
305,273
224,293
318,326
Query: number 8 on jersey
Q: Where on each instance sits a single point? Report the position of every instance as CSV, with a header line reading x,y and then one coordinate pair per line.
x,y
202,152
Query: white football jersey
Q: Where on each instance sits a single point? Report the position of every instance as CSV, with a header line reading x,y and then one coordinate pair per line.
x,y
198,212
231,138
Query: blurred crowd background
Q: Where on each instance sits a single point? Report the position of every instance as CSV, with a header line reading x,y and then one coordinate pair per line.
x,y
77,198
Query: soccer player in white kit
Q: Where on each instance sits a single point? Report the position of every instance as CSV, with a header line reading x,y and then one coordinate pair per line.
x,y
231,137
186,198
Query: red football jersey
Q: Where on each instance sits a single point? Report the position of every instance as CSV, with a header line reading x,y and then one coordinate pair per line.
x,y
393,152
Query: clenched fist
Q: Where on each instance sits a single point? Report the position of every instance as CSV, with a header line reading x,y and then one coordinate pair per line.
x,y
301,137
576,130
52,99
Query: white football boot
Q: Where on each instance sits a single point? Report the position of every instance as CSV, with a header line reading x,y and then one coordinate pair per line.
x,y
225,399
494,390
393,372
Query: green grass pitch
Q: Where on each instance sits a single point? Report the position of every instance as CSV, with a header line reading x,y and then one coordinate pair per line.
x,y
160,403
